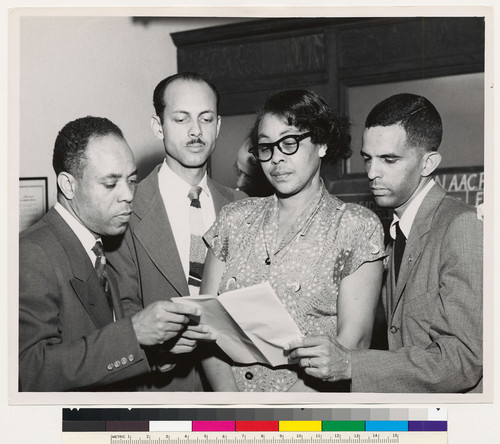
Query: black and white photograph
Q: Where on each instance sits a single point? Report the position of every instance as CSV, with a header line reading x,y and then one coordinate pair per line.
x,y
252,208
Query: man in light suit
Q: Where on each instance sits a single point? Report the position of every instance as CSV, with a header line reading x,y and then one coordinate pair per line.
x,y
153,259
72,331
433,290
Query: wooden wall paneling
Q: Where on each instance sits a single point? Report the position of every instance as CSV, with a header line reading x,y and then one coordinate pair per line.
x,y
245,72
250,61
397,49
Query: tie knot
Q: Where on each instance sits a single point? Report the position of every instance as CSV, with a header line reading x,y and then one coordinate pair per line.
x,y
194,192
98,249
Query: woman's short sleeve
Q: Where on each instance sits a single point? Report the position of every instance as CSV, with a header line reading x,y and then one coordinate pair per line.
x,y
362,229
217,237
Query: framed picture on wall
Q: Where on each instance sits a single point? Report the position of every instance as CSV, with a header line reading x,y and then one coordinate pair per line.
x,y
33,200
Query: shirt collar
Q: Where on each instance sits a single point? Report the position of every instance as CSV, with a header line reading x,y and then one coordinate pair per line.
x,y
174,182
406,220
84,235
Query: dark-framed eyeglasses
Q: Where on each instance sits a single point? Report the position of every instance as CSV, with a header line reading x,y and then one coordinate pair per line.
x,y
288,145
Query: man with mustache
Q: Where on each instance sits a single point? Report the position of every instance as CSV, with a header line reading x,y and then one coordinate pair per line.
x,y
433,289
72,331
162,253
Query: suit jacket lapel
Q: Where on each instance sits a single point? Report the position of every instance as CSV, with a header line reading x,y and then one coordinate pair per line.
x,y
155,233
92,296
416,241
85,282
220,196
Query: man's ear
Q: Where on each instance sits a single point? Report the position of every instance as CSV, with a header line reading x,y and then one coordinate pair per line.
x,y
322,150
218,125
157,127
430,161
67,184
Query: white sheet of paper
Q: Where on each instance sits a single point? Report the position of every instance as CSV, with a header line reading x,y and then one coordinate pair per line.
x,y
251,324
230,337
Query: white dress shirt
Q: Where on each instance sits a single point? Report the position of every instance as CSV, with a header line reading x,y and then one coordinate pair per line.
x,y
408,216
174,192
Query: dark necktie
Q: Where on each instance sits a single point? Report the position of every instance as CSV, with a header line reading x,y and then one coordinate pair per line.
x,y
399,249
197,249
100,268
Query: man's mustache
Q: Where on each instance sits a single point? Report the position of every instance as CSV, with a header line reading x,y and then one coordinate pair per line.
x,y
197,141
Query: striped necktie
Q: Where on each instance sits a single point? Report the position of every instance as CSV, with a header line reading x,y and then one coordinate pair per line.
x,y
100,268
197,249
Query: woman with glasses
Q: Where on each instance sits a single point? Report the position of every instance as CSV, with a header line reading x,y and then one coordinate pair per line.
x,y
321,256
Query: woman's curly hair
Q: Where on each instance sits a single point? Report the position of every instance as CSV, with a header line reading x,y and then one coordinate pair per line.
x,y
307,111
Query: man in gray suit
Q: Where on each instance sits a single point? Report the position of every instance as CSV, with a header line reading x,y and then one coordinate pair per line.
x,y
433,290
73,334
155,259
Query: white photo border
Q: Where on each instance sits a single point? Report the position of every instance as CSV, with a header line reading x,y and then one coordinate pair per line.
x,y
192,398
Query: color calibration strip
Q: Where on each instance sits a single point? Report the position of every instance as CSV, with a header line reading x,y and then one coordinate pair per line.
x,y
255,420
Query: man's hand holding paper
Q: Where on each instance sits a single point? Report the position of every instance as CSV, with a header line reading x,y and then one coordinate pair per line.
x,y
251,325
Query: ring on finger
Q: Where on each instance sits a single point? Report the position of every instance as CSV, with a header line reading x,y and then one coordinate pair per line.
x,y
309,362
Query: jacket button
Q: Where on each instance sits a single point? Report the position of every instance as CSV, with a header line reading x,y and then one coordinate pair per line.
x,y
130,358
249,375
394,329
124,361
110,367
117,364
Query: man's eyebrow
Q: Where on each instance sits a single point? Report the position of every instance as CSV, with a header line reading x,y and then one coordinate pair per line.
x,y
383,156
113,176
180,111
389,155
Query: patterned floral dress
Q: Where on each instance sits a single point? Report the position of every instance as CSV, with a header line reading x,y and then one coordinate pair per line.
x,y
329,240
